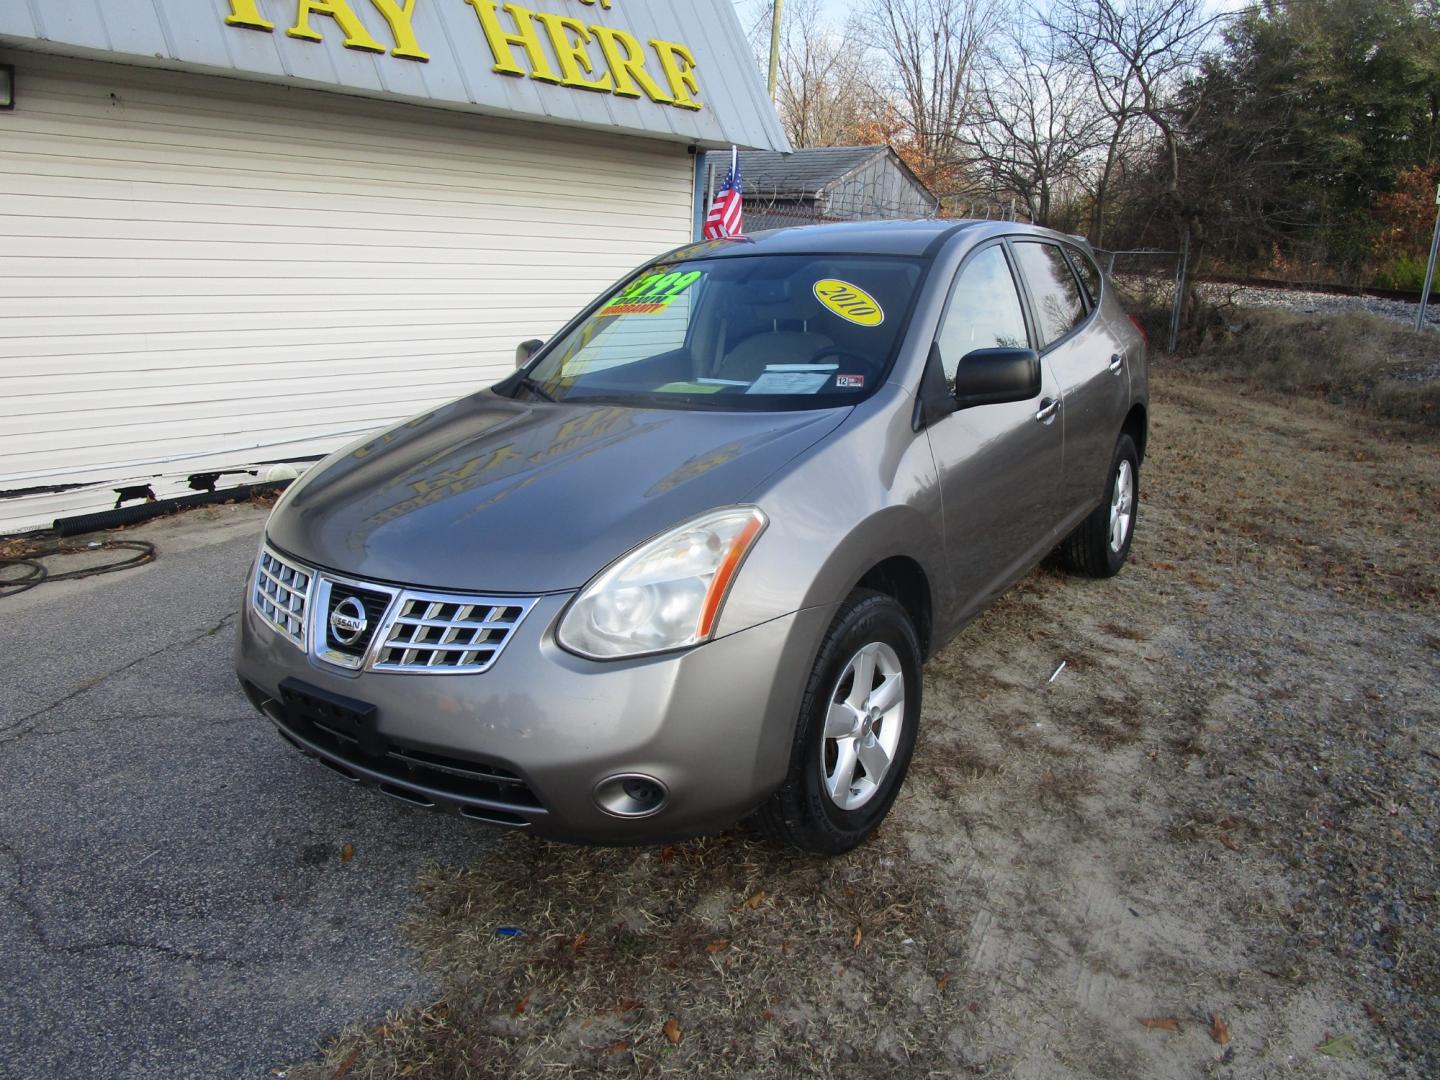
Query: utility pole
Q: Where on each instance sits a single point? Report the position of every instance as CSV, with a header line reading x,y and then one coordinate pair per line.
x,y
775,47
1430,271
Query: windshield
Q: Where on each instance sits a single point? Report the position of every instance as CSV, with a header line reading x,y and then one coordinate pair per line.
x,y
750,332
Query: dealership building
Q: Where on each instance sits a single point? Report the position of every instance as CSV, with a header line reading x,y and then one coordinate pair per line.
x,y
241,232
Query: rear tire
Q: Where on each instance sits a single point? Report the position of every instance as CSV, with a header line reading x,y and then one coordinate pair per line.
x,y
856,731
1100,544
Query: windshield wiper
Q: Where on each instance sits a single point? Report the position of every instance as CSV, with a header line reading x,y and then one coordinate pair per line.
x,y
536,389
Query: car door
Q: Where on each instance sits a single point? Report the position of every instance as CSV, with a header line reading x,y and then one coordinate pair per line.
x,y
1087,362
998,465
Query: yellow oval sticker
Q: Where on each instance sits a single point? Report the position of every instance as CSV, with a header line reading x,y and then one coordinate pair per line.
x,y
850,302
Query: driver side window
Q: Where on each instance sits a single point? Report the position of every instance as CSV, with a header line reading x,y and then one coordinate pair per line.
x,y
984,311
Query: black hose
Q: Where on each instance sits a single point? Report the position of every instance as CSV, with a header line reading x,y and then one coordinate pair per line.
x,y
133,515
40,573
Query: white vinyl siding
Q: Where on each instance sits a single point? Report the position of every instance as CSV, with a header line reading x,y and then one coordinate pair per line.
x,y
203,273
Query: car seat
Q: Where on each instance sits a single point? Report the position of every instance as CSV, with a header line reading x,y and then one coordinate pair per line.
x,y
772,322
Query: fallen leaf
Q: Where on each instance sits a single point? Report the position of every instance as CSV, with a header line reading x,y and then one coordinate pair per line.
x,y
1376,1016
627,1005
580,939
755,901
617,1047
716,946
1161,1023
1219,1029
672,1031
859,936
520,1006
1340,1046
347,852
346,1065
942,982
668,853
767,1014
1231,844
381,1032
785,948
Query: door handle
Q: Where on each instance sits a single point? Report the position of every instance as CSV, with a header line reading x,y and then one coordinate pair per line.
x,y
1116,363
1048,408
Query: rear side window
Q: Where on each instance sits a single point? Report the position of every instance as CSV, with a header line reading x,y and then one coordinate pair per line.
x,y
1055,290
1088,271
984,311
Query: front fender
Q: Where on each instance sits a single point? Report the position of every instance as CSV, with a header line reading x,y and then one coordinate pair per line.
x,y
867,493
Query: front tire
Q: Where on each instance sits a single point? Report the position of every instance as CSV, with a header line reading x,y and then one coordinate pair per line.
x,y
856,731
1100,544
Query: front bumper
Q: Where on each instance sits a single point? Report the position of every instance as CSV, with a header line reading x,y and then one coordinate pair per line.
x,y
526,743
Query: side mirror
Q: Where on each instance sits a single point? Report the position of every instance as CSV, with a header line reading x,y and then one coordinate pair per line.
x,y
526,350
995,376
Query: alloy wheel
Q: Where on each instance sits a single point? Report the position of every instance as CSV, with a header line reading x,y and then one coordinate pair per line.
x,y
1122,506
863,725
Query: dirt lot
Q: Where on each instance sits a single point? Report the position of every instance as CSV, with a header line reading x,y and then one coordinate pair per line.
x,y
1207,848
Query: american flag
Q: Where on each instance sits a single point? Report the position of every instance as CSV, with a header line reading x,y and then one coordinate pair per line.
x,y
726,212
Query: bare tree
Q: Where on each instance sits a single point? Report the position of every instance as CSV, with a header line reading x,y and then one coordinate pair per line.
x,y
931,48
1138,53
1034,123
823,96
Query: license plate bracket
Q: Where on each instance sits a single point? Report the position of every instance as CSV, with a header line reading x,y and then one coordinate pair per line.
x,y
345,717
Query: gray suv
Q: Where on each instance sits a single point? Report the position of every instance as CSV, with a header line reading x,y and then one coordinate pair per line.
x,y
684,566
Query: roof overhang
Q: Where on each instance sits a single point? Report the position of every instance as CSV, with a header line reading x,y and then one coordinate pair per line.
x,y
641,67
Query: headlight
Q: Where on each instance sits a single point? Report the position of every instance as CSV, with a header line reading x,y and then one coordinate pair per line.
x,y
667,593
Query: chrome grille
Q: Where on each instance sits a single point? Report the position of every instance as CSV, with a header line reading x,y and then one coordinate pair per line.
x,y
282,595
441,634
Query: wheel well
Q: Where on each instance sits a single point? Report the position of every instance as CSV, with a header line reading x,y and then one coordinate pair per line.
x,y
902,578
1137,426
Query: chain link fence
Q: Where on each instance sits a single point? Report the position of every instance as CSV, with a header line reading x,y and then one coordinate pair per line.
x,y
1153,285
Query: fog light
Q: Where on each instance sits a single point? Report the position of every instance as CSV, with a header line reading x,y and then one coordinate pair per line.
x,y
631,795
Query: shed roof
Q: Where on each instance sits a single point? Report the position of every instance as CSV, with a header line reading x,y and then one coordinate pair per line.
x,y
806,171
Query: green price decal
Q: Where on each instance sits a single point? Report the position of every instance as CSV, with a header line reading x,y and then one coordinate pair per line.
x,y
652,295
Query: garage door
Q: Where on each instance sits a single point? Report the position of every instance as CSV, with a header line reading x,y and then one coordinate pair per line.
x,y
202,274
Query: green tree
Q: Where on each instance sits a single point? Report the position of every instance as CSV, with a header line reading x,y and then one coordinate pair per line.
x,y
1314,109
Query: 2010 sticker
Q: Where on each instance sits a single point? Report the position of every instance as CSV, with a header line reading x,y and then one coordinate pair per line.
x,y
850,302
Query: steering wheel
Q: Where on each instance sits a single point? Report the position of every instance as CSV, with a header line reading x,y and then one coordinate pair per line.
x,y
843,354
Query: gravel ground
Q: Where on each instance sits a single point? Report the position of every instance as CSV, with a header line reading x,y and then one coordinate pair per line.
x,y
1312,303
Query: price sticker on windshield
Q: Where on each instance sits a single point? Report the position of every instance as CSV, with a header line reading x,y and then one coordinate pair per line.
x,y
850,302
651,295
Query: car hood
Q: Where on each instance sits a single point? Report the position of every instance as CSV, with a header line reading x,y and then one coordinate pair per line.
x,y
489,494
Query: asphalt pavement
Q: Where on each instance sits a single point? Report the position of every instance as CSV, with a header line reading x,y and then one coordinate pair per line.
x,y
173,898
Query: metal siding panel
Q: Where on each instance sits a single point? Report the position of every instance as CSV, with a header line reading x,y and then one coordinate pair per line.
x,y
716,83
192,33
131,29
758,127
227,274
74,22
16,19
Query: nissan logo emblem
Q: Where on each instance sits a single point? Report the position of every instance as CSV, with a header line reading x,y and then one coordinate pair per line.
x,y
348,622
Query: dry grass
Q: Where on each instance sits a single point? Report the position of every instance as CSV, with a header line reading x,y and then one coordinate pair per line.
x,y
767,962
1354,359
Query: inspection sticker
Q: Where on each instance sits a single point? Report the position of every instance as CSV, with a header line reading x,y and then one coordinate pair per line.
x,y
850,382
651,295
850,302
